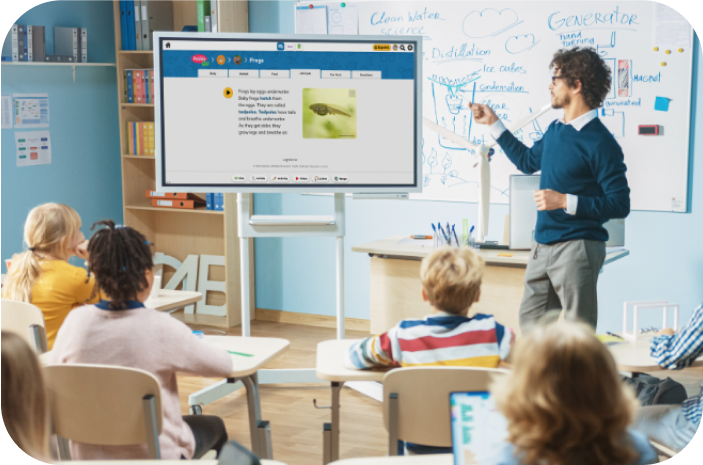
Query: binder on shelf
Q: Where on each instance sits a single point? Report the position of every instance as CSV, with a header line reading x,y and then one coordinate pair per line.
x,y
156,16
203,9
38,43
123,25
67,41
213,16
84,45
24,43
21,47
15,43
208,25
130,85
146,86
138,24
219,201
30,53
131,37
137,85
177,203
172,195
208,201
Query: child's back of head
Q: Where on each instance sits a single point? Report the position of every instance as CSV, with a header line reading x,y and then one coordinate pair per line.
x,y
451,279
24,400
48,233
564,401
120,259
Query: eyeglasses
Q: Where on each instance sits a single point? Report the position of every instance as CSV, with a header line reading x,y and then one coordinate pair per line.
x,y
556,78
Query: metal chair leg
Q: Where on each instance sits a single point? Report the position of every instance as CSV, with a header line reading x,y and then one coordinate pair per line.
x,y
326,443
393,424
150,422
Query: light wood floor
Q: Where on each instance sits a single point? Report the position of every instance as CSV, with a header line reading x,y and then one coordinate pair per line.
x,y
296,425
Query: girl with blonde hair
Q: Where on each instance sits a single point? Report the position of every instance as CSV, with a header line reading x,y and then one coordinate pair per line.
x,y
24,400
42,275
565,403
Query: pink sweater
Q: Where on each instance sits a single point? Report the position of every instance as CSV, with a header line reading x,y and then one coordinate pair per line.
x,y
146,339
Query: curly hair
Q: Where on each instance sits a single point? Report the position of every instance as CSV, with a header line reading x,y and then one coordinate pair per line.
x,y
118,258
583,64
564,400
452,278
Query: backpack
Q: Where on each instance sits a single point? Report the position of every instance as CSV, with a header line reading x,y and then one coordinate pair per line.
x,y
654,391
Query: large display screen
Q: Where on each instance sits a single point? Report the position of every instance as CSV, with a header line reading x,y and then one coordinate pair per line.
x,y
254,112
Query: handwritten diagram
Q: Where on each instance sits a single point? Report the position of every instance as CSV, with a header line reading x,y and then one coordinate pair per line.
x,y
519,44
489,22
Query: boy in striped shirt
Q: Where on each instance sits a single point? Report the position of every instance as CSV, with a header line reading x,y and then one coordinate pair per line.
x,y
451,283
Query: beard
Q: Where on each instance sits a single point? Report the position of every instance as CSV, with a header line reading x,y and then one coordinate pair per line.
x,y
560,102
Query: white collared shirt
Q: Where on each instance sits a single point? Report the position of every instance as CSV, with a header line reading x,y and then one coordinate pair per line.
x,y
497,129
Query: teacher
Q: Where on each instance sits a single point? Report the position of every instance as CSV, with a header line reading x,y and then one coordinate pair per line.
x,y
582,185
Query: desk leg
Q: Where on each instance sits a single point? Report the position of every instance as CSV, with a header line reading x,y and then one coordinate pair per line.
x,y
334,449
260,430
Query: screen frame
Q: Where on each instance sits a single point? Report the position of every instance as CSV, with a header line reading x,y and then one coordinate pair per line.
x,y
161,36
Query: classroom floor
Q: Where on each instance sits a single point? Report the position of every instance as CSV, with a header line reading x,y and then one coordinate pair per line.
x,y
296,425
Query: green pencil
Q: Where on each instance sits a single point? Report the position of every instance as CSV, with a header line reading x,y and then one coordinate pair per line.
x,y
240,353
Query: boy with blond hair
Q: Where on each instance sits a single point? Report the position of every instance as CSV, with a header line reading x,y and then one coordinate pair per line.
x,y
451,283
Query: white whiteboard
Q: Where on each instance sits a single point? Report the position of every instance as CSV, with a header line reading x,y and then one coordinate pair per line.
x,y
499,53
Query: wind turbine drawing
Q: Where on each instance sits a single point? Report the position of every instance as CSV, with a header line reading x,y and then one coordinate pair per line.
x,y
482,153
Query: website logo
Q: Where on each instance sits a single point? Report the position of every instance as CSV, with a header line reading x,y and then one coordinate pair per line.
x,y
198,58
280,46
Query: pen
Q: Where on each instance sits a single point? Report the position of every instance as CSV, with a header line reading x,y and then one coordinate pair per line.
x,y
420,236
446,238
615,335
455,238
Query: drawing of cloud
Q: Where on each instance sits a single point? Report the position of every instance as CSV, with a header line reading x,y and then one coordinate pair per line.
x,y
489,22
518,44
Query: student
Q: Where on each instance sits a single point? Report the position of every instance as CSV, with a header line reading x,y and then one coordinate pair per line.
x,y
451,283
121,331
24,400
565,403
675,425
42,275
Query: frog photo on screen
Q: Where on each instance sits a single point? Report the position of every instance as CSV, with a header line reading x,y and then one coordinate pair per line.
x,y
329,113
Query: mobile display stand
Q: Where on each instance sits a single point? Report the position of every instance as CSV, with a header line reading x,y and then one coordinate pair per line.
x,y
637,306
483,153
251,226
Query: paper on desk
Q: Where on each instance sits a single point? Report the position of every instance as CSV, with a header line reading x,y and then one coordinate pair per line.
x,y
670,28
342,20
609,340
6,112
311,20
426,243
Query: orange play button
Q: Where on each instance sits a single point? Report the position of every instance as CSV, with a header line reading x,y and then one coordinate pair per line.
x,y
228,92
221,60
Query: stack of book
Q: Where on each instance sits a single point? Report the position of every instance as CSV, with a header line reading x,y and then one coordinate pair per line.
x,y
140,18
139,85
215,202
29,44
179,200
140,138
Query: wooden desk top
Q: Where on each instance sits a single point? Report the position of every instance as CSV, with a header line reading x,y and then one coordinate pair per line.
x,y
635,356
330,363
436,459
390,248
172,300
263,349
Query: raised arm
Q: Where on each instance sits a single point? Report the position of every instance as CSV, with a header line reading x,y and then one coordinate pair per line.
x,y
609,168
683,348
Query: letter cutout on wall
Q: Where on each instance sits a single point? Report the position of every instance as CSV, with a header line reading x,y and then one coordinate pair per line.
x,y
187,272
205,285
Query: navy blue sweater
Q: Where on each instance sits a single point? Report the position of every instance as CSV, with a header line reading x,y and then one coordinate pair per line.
x,y
587,163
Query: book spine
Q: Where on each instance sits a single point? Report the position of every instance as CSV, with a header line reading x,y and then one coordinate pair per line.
x,y
147,97
24,43
138,24
151,86
136,82
143,87
123,25
76,44
213,15
208,201
208,24
134,137
152,139
20,42
30,44
39,43
129,151
203,8
130,25
84,45
130,85
15,43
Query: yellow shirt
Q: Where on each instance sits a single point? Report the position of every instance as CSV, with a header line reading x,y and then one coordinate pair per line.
x,y
61,287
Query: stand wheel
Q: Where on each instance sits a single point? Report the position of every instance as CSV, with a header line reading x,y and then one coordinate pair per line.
x,y
195,410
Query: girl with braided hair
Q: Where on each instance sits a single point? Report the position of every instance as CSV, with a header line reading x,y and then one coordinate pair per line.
x,y
120,330
42,275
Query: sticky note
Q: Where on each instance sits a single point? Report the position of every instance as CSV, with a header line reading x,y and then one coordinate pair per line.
x,y
661,104
504,254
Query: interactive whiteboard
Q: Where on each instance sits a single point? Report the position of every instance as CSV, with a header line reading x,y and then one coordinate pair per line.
x,y
498,53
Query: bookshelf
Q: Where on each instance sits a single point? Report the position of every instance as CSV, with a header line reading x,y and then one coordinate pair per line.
x,y
179,233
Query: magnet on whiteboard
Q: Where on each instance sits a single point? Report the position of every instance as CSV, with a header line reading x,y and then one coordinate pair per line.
x,y
656,49
663,63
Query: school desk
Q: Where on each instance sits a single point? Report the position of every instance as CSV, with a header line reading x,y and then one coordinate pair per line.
x,y
262,351
169,300
395,282
330,367
434,459
635,356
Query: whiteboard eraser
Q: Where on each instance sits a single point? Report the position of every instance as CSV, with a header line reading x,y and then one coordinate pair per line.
x,y
648,130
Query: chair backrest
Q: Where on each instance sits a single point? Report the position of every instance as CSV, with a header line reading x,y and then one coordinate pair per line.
x,y
106,405
24,319
422,401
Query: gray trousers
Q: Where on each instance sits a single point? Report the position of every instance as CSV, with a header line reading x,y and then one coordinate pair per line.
x,y
559,277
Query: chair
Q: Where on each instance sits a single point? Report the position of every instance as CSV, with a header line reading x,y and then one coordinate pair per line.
x,y
27,321
105,405
416,402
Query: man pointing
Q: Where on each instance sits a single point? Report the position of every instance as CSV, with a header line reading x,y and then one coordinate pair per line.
x,y
582,185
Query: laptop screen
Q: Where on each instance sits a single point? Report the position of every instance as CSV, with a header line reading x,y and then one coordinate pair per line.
x,y
478,428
